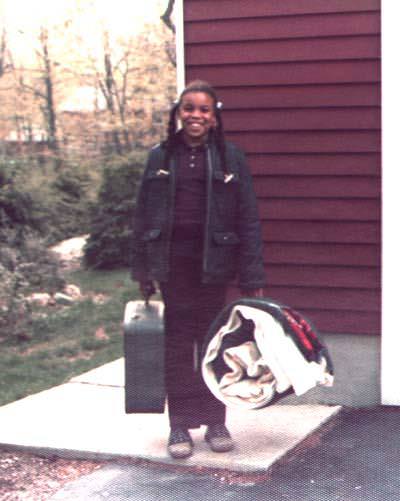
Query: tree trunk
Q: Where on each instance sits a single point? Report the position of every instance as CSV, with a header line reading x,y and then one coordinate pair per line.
x,y
49,106
166,17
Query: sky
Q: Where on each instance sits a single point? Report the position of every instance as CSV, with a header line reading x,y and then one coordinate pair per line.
x,y
120,13
23,17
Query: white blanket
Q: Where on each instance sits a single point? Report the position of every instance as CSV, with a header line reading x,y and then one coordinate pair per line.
x,y
260,369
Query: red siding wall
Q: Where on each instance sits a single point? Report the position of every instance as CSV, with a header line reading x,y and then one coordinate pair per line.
x,y
300,82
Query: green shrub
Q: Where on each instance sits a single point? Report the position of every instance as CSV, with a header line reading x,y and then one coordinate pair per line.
x,y
17,263
39,266
111,216
53,202
16,205
68,204
25,268
25,262
15,313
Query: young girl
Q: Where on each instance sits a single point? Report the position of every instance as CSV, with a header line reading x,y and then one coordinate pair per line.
x,y
196,229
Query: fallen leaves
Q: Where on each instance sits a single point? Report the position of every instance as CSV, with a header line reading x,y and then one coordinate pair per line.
x,y
101,334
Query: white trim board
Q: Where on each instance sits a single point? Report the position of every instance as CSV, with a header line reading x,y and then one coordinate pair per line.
x,y
390,357
180,47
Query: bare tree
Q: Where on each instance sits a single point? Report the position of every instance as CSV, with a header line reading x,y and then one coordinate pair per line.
x,y
48,107
86,96
42,88
166,17
2,52
5,63
170,44
113,83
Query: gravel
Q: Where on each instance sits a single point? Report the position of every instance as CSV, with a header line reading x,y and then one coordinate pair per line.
x,y
25,476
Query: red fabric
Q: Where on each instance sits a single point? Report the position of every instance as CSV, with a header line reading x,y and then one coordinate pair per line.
x,y
300,327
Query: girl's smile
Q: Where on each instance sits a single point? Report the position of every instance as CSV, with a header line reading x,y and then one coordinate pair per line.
x,y
196,112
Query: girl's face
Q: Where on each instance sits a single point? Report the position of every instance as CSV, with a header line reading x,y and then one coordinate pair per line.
x,y
196,112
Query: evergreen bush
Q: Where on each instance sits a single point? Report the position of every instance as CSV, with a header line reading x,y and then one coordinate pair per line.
x,y
25,262
108,245
16,206
68,210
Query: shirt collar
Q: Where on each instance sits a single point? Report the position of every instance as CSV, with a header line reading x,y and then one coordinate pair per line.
x,y
186,148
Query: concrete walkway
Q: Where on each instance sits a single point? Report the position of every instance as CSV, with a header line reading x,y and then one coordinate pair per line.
x,y
85,418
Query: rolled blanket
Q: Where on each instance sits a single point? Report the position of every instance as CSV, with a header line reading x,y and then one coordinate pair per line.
x,y
255,354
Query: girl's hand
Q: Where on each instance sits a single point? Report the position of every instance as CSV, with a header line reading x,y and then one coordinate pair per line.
x,y
147,288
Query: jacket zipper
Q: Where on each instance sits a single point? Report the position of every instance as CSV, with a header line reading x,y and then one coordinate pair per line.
x,y
171,218
208,205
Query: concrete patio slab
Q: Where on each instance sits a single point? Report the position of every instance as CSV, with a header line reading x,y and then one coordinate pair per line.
x,y
85,418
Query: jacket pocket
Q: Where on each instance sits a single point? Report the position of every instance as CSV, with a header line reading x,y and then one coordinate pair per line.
x,y
225,238
150,235
223,257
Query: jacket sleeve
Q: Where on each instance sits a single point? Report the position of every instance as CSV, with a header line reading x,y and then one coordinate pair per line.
x,y
251,264
138,250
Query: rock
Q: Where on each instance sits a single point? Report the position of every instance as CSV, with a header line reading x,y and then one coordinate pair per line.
x,y
40,298
70,250
61,298
73,291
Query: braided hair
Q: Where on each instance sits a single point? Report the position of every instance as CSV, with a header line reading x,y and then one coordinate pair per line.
x,y
216,133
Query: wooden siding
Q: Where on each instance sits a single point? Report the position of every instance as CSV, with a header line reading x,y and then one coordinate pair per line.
x,y
300,82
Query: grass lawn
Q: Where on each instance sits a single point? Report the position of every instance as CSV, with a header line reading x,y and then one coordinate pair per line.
x,y
68,340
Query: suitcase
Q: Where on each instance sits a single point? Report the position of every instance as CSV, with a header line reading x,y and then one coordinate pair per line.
x,y
144,357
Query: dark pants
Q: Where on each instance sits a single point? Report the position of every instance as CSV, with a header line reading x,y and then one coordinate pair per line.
x,y
190,307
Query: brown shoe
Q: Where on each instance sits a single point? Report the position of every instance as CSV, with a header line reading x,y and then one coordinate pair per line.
x,y
180,443
218,438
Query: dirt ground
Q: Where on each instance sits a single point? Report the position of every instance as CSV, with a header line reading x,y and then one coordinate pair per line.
x,y
26,477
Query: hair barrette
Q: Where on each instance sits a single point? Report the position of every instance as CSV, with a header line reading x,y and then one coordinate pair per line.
x,y
219,105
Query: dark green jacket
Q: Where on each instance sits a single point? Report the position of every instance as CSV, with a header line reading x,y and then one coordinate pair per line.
x,y
232,244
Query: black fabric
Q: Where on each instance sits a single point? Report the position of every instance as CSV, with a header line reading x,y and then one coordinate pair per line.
x,y
244,333
190,308
190,198
230,208
187,240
